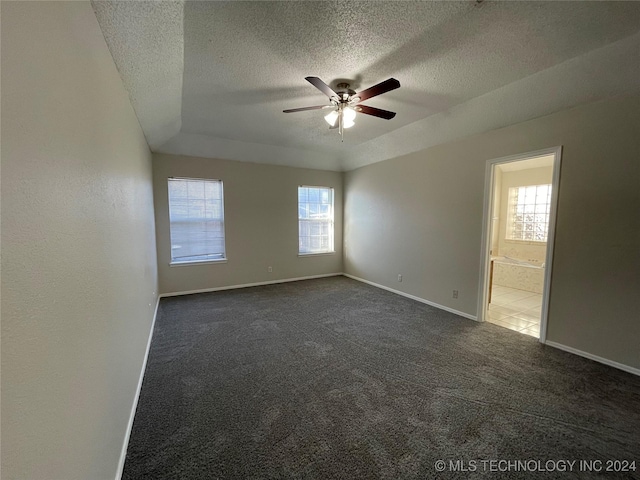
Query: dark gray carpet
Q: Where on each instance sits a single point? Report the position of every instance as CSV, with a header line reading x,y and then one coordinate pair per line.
x,y
335,379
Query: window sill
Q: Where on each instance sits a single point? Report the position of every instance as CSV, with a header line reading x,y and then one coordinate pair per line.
x,y
196,262
525,242
315,254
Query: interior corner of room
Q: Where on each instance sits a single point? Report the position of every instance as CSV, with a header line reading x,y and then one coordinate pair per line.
x,y
104,102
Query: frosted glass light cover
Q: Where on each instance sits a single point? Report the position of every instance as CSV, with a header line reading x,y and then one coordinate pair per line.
x,y
331,117
349,114
348,117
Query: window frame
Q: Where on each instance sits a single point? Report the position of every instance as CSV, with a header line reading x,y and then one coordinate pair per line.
x,y
330,222
181,263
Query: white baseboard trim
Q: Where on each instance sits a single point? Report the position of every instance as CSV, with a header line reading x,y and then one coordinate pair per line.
x,y
245,285
127,435
595,358
413,297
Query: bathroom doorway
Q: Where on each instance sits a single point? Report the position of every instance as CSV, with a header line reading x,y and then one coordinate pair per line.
x,y
519,221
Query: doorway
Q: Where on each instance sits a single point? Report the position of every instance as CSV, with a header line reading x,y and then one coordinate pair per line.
x,y
517,241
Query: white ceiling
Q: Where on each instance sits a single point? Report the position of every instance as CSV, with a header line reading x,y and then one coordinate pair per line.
x,y
212,78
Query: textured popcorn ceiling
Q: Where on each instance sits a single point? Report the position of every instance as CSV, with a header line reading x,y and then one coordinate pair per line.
x,y
212,78
146,42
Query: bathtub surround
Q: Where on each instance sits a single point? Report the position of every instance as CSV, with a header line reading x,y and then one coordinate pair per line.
x,y
532,253
518,274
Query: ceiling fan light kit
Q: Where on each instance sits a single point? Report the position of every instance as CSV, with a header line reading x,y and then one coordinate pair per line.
x,y
345,103
344,114
332,117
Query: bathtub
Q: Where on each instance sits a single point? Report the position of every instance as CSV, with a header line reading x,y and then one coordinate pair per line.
x,y
516,273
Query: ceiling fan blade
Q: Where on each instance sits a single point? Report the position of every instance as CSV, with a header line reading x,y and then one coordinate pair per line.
x,y
323,87
376,112
379,89
316,107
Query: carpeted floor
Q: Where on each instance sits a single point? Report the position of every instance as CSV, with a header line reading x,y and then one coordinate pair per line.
x,y
335,379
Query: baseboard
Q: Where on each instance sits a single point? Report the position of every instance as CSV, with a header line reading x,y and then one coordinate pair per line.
x,y
595,358
123,454
413,297
245,285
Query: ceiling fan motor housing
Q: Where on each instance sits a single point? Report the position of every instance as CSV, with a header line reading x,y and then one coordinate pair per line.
x,y
343,88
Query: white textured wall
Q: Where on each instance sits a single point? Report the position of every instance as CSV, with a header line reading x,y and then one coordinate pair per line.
x,y
78,248
421,215
261,223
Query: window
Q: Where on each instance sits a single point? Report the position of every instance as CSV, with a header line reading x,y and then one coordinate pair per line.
x,y
529,213
196,219
315,220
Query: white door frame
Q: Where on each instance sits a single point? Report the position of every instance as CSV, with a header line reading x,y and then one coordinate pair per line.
x,y
486,231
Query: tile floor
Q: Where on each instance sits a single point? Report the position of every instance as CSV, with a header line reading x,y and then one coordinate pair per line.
x,y
515,309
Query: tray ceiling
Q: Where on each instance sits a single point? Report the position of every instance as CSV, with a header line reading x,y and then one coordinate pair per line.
x,y
212,78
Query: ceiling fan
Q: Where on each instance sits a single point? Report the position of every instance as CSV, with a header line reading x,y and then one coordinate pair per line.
x,y
346,102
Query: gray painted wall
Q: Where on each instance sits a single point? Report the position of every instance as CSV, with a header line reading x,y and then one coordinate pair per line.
x,y
420,215
261,223
79,277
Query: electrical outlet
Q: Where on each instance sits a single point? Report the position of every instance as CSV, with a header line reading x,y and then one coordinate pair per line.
x,y
270,269
455,294
399,278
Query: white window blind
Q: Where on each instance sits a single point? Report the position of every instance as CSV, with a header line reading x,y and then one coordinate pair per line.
x,y
315,220
529,213
196,216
